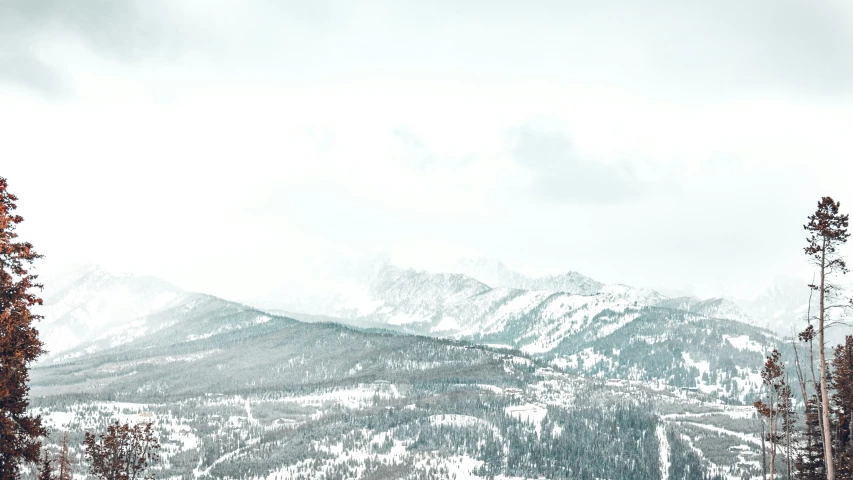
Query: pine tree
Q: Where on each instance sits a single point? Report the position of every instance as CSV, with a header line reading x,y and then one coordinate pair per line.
x,y
774,381
842,403
65,462
785,406
20,432
810,463
828,229
123,452
46,468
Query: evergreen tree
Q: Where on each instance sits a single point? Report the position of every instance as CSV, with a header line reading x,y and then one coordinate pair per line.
x,y
828,231
788,415
65,462
810,462
123,452
46,468
774,382
842,403
20,432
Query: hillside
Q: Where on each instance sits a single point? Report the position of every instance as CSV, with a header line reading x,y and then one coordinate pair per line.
x,y
237,393
82,303
616,332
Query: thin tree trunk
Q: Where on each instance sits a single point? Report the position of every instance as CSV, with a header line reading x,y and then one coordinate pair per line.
x,y
811,366
827,434
803,389
789,399
772,439
763,453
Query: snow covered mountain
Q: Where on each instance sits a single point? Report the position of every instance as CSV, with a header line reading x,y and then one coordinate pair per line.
x,y
496,274
617,332
84,303
783,306
237,393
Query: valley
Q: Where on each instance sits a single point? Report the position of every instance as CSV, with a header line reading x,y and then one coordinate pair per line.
x,y
522,385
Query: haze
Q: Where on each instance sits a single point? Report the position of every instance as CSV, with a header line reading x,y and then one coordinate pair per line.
x,y
243,148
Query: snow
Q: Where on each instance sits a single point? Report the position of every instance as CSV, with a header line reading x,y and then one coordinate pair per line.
x,y
703,366
663,446
446,323
401,318
743,342
59,420
530,413
586,358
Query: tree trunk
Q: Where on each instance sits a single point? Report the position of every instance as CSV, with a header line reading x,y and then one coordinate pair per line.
x,y
763,453
827,434
772,439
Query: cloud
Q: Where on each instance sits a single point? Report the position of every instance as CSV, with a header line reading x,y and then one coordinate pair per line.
x,y
124,31
26,69
560,175
412,149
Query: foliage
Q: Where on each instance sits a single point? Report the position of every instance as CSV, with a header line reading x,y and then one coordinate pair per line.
x,y
124,452
20,432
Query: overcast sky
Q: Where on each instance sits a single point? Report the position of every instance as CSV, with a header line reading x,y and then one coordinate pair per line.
x,y
240,147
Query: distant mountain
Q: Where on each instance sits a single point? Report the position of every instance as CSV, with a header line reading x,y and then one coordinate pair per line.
x,y
616,332
84,303
783,306
496,274
238,393
712,307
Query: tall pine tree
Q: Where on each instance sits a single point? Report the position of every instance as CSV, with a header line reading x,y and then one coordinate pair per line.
x,y
65,462
20,432
828,231
773,376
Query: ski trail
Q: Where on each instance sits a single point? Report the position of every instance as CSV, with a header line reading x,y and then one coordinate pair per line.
x,y
743,436
249,411
663,446
249,444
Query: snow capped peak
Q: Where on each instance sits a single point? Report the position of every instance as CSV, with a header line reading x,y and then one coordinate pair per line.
x,y
494,273
82,302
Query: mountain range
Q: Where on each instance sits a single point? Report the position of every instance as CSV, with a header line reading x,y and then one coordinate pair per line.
x,y
571,321
410,374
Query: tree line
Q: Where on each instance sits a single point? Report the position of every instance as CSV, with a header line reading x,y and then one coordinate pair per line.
x,y
123,452
820,444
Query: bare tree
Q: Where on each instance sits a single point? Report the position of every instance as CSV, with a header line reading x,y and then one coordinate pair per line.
x,y
828,231
123,452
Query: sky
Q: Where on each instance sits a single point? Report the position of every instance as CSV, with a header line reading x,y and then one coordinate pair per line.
x,y
241,148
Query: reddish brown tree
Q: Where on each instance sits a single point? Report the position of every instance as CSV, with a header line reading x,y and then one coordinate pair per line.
x,y
842,403
788,414
828,231
20,432
65,462
123,452
46,468
773,376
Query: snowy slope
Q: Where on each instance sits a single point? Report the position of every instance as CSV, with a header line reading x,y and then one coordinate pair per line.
x,y
86,303
495,273
459,306
236,393
617,332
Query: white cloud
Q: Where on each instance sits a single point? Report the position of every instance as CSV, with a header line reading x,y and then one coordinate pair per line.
x,y
259,140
